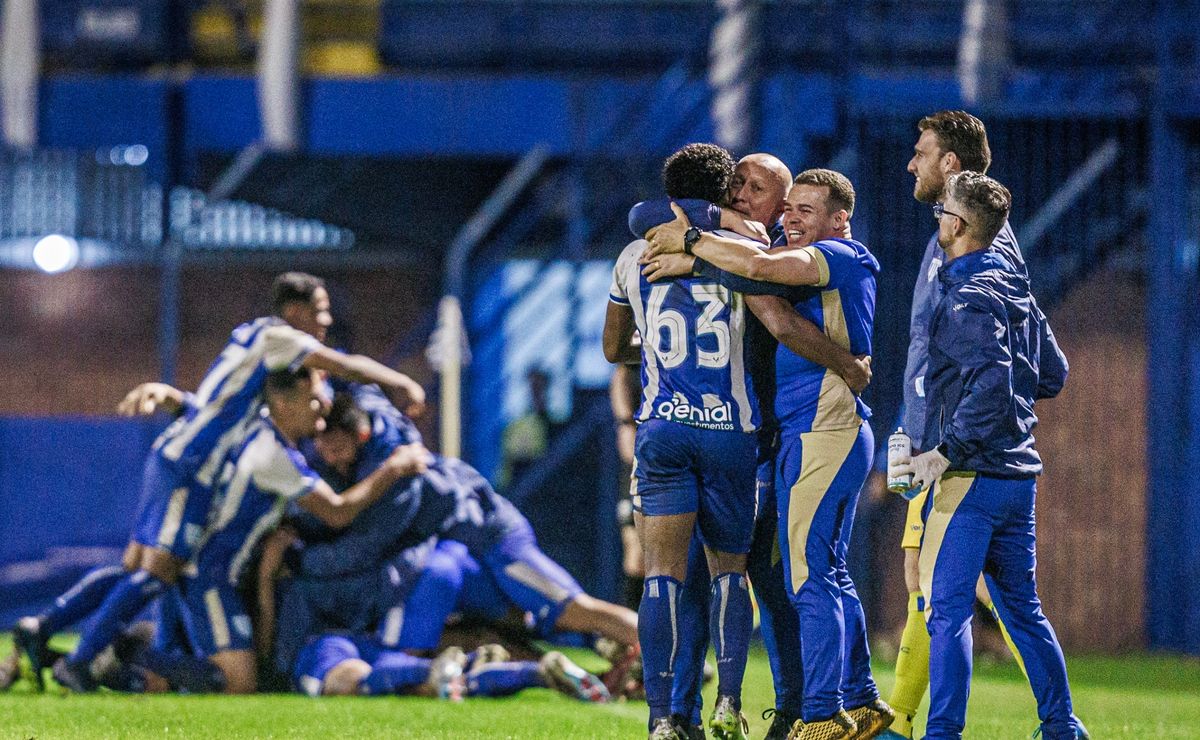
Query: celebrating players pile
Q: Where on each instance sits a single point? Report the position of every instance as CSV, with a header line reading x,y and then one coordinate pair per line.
x,y
725,389
383,541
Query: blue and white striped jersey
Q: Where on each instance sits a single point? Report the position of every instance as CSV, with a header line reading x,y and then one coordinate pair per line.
x,y
257,480
230,394
694,368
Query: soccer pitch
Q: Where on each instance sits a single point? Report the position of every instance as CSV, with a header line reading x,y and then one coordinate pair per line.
x,y
1134,697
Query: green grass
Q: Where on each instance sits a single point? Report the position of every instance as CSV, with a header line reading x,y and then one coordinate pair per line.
x,y
1134,697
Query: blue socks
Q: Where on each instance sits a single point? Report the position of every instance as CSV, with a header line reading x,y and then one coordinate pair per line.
x,y
730,621
503,679
83,598
693,637
393,672
128,596
658,633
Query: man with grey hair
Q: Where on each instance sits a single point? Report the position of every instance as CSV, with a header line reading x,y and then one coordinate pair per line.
x,y
991,356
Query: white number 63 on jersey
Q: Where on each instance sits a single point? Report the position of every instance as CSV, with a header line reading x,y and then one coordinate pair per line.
x,y
659,320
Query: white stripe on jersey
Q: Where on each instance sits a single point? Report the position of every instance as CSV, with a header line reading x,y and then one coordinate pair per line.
x,y
737,359
267,343
226,442
235,366
393,625
633,287
216,618
265,523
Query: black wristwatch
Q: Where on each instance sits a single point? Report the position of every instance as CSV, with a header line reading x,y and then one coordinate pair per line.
x,y
690,237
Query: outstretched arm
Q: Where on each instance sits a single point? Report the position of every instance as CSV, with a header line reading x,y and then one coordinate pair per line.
x,y
403,391
786,266
147,398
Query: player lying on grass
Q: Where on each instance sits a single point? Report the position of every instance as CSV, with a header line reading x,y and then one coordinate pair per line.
x,y
180,476
354,665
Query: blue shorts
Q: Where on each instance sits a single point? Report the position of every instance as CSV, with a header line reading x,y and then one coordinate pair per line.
x,y
529,578
416,616
322,654
679,469
216,617
172,510
480,596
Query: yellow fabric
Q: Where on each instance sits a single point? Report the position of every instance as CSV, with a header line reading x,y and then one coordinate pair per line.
x,y
822,265
836,407
823,455
914,527
1012,646
948,492
912,668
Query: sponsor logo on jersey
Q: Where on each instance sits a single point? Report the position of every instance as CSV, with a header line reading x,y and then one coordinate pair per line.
x,y
712,415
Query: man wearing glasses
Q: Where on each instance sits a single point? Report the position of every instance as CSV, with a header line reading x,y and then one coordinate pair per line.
x,y
991,356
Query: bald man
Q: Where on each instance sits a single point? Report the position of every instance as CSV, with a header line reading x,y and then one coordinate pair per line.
x,y
753,205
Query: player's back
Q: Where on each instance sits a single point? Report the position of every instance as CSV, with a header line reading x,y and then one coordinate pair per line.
x,y
694,369
808,395
257,479
230,392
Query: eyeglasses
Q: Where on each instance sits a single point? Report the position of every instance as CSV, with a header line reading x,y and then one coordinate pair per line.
x,y
939,210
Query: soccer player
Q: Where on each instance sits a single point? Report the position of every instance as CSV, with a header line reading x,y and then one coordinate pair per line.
x,y
355,665
755,197
261,473
452,501
827,440
949,142
695,451
991,356
177,483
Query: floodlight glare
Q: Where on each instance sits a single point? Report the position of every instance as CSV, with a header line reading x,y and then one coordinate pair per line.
x,y
55,253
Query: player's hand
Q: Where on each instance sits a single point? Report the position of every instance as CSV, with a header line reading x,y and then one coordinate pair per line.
x,y
147,398
925,468
668,266
857,373
739,224
667,238
409,397
407,460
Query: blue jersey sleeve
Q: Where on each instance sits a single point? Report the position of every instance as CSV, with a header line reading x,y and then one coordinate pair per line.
x,y
650,213
741,284
968,336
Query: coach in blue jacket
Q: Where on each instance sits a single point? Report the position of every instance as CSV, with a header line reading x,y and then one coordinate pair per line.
x,y
991,355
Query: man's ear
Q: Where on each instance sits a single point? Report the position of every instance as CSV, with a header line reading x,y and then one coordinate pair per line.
x,y
363,435
950,163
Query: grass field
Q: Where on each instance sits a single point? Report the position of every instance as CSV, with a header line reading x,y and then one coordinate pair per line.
x,y
1135,697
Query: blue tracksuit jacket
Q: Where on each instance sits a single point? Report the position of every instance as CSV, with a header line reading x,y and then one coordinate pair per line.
x,y
991,355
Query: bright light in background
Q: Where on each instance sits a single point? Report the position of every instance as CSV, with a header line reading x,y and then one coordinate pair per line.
x,y
55,253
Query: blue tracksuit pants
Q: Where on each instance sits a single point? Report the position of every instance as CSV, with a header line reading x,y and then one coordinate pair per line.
x,y
978,523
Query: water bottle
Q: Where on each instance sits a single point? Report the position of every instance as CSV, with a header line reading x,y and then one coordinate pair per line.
x,y
899,447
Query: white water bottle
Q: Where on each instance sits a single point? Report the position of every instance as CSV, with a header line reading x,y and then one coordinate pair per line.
x,y
899,448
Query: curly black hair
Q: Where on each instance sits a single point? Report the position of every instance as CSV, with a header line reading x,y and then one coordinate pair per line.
x,y
698,171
